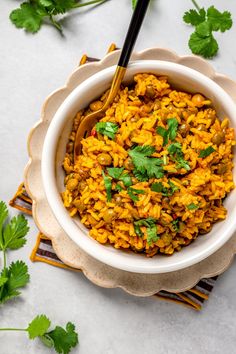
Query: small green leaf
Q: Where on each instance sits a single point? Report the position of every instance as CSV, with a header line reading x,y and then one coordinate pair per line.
x,y
38,327
115,172
206,152
64,340
194,17
207,47
220,21
152,235
192,206
15,232
132,193
107,128
108,186
27,17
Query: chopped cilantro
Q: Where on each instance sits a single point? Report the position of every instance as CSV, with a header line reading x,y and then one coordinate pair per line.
x,y
175,224
132,192
192,206
159,188
145,166
108,185
107,128
117,173
169,133
175,151
206,152
150,224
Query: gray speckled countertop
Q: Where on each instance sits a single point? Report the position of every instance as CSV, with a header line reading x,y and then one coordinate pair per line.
x,y
109,321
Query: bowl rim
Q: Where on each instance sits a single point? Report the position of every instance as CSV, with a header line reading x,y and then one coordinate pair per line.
x,y
53,196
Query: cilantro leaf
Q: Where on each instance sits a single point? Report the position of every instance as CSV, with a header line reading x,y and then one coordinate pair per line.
x,y
27,16
108,185
63,339
107,128
132,193
169,133
206,152
17,277
175,151
152,235
3,280
38,327
175,225
194,17
220,21
158,187
192,206
145,166
115,172
205,46
14,233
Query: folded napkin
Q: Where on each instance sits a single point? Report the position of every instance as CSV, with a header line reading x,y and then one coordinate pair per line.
x,y
43,250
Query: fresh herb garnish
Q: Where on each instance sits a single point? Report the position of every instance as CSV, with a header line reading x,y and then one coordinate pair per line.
x,y
117,173
107,128
202,41
150,224
175,151
12,236
206,152
158,187
175,225
108,185
145,166
192,206
132,192
169,133
31,14
60,339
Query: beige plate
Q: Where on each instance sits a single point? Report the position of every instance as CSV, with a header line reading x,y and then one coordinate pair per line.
x,y
67,250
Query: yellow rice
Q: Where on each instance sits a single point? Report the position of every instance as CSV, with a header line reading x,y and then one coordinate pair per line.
x,y
138,110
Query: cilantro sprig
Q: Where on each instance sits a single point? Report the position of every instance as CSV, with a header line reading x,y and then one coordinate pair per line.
x,y
146,166
158,187
60,339
206,152
12,237
150,224
33,13
206,22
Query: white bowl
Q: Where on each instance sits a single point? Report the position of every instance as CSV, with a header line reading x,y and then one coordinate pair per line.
x,y
52,173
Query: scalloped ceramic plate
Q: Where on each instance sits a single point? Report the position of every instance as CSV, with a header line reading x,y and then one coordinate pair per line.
x,y
99,273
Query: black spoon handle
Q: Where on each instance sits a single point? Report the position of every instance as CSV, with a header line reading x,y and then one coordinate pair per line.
x,y
133,31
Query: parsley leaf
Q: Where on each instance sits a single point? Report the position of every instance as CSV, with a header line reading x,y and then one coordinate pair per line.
x,y
132,193
150,224
220,21
17,277
206,152
14,233
192,206
107,128
169,133
108,185
175,151
145,166
38,327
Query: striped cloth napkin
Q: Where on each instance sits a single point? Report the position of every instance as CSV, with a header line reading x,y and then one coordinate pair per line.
x,y
44,252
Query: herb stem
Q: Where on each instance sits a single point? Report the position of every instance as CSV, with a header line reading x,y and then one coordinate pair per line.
x,y
88,3
196,5
55,24
13,329
4,258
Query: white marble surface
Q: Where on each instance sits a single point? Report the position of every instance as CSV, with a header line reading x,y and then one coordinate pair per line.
x,y
109,321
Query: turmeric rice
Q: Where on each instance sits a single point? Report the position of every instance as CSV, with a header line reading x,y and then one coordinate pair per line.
x,y
154,172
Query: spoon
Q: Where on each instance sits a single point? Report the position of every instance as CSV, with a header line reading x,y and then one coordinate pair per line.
x,y
91,119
